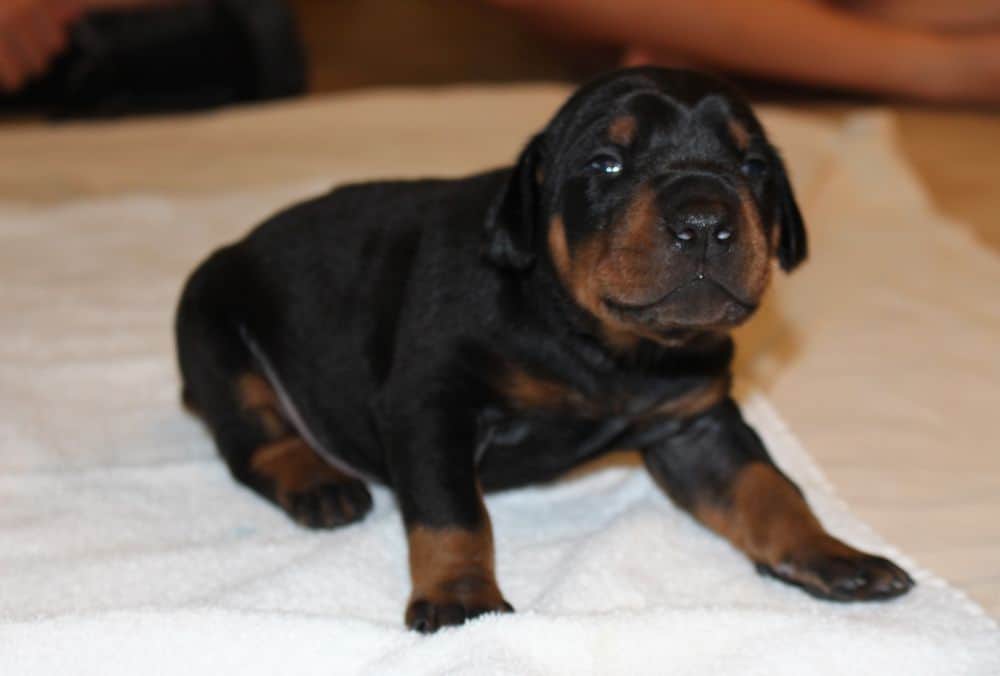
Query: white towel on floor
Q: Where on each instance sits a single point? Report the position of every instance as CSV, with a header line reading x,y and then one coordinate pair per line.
x,y
125,548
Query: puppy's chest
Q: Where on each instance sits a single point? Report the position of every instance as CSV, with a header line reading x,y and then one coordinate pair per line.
x,y
631,397
546,426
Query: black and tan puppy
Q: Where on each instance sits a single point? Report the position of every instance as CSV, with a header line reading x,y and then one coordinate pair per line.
x,y
450,337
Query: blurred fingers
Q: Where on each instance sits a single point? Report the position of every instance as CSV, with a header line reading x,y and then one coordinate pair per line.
x,y
11,75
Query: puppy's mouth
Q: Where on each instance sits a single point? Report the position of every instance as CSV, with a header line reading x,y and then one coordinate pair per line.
x,y
698,302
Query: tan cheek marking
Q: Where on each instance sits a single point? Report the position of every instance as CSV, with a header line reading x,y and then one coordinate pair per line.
x,y
696,401
775,236
454,563
740,134
588,289
583,280
292,466
627,271
767,518
757,249
577,274
257,397
622,130
559,249
639,230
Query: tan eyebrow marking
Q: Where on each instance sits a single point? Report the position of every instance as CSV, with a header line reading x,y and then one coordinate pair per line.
x,y
622,129
740,134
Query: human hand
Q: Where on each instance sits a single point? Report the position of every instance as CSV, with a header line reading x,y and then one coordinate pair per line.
x,y
965,70
104,5
981,56
32,34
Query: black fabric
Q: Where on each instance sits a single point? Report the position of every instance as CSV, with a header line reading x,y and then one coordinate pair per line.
x,y
182,57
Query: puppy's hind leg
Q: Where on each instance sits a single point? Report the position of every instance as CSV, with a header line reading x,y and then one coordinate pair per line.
x,y
223,386
287,471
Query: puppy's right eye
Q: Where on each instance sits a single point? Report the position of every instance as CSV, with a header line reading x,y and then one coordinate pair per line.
x,y
605,164
754,167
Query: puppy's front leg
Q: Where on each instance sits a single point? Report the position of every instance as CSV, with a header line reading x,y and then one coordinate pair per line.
x,y
717,468
448,528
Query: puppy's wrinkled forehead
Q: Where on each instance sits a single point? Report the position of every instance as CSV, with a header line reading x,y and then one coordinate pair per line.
x,y
689,120
653,119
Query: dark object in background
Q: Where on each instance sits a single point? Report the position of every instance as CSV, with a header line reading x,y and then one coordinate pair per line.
x,y
182,57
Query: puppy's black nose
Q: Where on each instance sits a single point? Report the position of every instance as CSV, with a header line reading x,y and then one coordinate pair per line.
x,y
699,219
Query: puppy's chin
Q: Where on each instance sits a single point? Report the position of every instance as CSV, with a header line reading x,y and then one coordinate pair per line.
x,y
697,305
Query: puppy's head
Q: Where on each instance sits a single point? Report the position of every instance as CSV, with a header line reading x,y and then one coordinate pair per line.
x,y
657,201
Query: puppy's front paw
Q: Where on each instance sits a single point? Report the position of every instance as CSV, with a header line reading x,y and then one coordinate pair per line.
x,y
454,602
837,572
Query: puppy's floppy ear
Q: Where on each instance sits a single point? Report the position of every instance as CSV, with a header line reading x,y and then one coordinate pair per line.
x,y
510,224
792,242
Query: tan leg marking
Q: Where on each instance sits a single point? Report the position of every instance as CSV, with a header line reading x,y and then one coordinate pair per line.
x,y
453,575
257,397
294,467
768,519
452,565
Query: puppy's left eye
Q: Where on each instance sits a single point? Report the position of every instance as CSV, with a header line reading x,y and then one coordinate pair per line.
x,y
605,164
754,167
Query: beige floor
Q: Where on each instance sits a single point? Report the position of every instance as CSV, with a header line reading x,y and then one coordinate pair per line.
x,y
956,154
958,157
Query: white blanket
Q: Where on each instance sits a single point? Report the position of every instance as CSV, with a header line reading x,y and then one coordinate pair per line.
x,y
126,548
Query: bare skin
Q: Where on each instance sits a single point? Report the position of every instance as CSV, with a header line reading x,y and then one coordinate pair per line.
x,y
964,16
941,52
32,34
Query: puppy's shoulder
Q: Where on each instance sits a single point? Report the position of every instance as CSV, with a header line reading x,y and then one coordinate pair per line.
x,y
359,208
